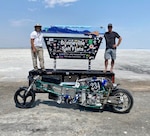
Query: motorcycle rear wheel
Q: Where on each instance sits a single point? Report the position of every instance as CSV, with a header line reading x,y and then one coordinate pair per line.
x,y
125,101
24,100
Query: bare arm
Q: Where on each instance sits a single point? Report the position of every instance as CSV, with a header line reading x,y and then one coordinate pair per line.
x,y
119,41
32,45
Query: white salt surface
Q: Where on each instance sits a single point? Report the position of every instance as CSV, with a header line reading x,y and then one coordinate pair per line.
x,y
130,64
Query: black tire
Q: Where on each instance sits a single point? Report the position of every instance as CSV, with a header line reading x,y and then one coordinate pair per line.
x,y
127,101
23,100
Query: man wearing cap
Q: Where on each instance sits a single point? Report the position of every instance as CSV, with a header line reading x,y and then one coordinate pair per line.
x,y
111,46
37,47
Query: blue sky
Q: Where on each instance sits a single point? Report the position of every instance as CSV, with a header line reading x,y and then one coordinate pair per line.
x,y
130,18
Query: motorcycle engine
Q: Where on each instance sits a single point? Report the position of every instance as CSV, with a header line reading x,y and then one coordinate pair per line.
x,y
94,99
95,95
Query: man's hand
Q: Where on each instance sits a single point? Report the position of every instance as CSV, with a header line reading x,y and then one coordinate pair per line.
x,y
115,46
32,46
34,49
119,41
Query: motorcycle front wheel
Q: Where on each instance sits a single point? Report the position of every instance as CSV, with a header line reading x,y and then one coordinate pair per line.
x,y
124,101
23,99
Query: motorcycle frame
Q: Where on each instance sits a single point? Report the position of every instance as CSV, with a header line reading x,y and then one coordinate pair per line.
x,y
42,89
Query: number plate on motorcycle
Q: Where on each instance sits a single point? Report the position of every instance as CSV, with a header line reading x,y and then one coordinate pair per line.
x,y
95,85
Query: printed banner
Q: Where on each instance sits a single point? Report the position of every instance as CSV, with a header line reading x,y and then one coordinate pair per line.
x,y
71,43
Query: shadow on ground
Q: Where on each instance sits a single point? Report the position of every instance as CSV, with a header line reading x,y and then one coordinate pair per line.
x,y
70,106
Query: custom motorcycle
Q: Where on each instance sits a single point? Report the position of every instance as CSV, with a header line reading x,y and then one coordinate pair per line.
x,y
92,92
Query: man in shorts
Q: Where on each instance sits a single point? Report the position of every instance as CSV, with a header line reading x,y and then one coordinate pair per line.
x,y
36,38
111,46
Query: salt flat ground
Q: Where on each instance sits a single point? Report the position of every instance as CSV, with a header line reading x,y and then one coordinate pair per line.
x,y
50,119
133,65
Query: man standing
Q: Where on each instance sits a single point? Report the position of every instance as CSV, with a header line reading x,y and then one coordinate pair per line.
x,y
111,46
37,47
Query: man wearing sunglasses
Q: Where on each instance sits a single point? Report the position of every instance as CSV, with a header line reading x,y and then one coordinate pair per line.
x,y
111,46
